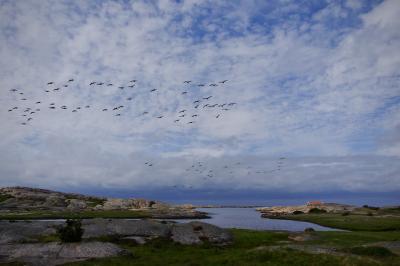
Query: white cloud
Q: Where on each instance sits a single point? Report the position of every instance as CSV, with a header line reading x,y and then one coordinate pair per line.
x,y
303,88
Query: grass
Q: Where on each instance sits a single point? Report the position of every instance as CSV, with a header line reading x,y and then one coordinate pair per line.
x,y
251,248
73,215
348,222
4,197
379,252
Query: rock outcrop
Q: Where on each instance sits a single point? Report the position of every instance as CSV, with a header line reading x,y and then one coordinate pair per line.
x,y
287,210
58,253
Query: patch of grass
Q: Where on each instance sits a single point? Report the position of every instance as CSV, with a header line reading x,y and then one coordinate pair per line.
x,y
4,197
74,215
244,251
380,252
348,222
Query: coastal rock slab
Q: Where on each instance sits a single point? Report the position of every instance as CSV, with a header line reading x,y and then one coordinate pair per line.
x,y
57,253
24,231
103,227
199,232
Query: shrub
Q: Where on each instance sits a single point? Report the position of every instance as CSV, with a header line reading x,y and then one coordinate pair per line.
x,y
71,232
316,210
345,213
309,230
297,212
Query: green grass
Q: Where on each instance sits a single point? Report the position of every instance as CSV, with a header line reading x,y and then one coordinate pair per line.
x,y
251,248
4,197
348,222
73,215
379,252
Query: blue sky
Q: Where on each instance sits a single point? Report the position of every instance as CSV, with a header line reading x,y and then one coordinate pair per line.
x,y
316,82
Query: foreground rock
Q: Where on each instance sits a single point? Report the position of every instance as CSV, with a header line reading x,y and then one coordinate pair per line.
x,y
184,233
198,232
57,253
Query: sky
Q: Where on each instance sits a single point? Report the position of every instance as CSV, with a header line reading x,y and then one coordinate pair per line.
x,y
315,87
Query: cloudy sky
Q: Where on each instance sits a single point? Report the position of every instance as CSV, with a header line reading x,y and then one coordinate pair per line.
x,y
314,82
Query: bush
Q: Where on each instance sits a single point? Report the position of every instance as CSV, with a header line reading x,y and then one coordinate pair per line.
x,y
345,213
71,232
309,230
316,210
297,212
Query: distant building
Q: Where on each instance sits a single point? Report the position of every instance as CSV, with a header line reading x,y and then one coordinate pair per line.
x,y
315,203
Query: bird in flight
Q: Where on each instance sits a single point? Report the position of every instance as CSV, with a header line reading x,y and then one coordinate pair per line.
x,y
187,81
105,109
92,83
109,84
130,98
121,87
70,80
217,116
145,113
160,116
133,80
49,83
213,85
118,115
201,85
223,81
13,90
184,92
194,115
153,90
177,120
207,98
182,111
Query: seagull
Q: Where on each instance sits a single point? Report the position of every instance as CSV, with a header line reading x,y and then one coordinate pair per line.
x,y
32,112
56,89
52,104
63,107
121,87
118,115
70,80
145,113
130,98
191,122
196,106
47,91
184,92
213,85
87,106
121,106
21,93
225,109
230,104
13,90
160,116
9,110
52,107
23,124
105,109
207,98
131,86
16,107
197,101
133,80
38,102
100,83
49,83
194,115
201,85
177,120
153,90
115,108
223,81
109,84
217,116
187,81
23,99
78,108
74,111
182,115
205,105
64,86
182,111
92,83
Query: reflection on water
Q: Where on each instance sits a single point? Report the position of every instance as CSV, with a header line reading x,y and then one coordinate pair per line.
x,y
249,218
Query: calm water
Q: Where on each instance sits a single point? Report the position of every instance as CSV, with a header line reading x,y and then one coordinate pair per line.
x,y
249,218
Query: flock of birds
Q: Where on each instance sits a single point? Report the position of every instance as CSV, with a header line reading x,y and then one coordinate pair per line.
x,y
29,108
32,107
202,170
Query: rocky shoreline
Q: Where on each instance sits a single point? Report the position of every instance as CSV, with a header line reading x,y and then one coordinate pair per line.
x,y
23,240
